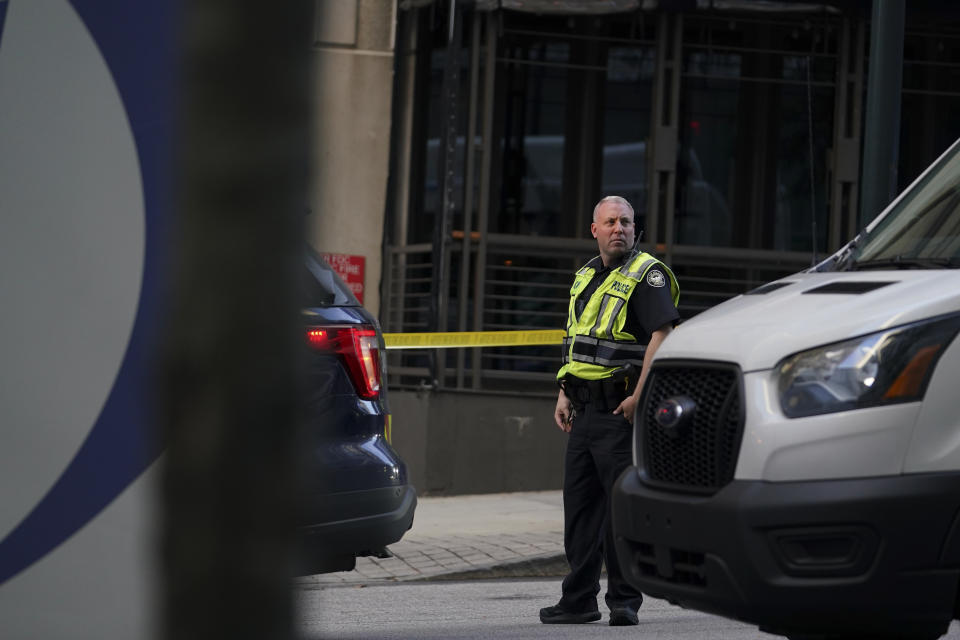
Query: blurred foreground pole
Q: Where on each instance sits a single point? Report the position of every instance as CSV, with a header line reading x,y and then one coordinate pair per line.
x,y
881,141
228,384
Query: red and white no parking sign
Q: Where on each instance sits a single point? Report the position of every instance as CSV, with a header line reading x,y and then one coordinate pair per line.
x,y
350,269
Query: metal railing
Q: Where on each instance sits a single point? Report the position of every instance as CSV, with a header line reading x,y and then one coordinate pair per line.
x,y
526,286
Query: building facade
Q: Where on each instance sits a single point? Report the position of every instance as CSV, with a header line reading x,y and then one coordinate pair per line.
x,y
483,133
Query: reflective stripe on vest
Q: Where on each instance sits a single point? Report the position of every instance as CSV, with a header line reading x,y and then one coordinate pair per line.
x,y
637,273
607,353
609,309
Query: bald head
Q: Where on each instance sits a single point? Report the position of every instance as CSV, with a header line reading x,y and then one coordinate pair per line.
x,y
613,228
616,201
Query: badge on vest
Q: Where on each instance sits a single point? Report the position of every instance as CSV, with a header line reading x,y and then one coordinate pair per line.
x,y
656,279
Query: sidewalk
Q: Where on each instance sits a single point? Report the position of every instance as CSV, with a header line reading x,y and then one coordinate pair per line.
x,y
460,537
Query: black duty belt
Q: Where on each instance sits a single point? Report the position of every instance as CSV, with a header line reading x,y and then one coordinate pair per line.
x,y
605,394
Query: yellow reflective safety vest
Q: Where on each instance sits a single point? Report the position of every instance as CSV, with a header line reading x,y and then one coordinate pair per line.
x,y
597,343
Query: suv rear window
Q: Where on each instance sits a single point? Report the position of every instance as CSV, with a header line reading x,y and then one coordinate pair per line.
x,y
322,287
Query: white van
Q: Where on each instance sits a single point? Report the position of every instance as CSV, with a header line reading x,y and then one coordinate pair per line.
x,y
797,448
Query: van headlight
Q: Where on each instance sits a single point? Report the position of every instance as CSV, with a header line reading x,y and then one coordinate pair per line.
x,y
886,367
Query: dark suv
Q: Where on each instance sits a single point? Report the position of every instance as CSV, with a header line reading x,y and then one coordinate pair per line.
x,y
357,498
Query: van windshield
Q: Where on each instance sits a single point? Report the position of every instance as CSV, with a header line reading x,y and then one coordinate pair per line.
x,y
922,231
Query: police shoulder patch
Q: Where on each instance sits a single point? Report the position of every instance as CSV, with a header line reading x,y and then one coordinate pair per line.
x,y
655,278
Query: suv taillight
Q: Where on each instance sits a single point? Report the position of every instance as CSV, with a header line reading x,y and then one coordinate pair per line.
x,y
359,350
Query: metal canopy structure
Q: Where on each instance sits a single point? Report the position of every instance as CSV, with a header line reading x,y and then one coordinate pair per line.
x,y
603,7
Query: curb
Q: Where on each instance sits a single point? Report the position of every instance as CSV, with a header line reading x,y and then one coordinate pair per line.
x,y
546,566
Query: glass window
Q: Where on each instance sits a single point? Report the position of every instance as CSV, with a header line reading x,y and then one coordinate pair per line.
x,y
799,112
708,142
534,117
626,125
428,156
755,96
928,121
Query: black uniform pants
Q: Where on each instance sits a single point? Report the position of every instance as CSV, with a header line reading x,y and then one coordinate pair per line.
x,y
599,448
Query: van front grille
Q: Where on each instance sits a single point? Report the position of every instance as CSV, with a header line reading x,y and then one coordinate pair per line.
x,y
701,457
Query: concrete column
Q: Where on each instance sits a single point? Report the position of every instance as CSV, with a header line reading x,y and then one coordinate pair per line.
x,y
353,45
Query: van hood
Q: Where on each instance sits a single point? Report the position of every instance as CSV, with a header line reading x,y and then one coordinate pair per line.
x,y
758,329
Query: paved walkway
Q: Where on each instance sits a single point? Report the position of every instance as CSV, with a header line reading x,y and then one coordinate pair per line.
x,y
458,537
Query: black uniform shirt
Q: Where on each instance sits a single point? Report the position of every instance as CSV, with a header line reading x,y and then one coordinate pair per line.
x,y
651,305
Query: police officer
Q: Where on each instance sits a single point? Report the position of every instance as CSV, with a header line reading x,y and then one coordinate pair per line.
x,y
622,306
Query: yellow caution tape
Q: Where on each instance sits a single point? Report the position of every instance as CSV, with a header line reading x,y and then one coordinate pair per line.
x,y
457,339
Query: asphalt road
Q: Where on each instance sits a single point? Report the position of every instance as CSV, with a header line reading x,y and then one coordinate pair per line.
x,y
491,609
